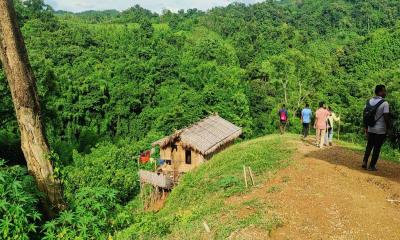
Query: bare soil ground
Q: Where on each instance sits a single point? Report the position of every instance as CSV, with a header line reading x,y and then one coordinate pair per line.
x,y
325,194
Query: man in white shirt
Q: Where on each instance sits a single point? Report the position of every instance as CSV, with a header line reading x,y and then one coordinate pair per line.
x,y
376,134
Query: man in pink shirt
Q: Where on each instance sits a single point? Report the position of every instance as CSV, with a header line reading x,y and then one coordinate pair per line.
x,y
321,117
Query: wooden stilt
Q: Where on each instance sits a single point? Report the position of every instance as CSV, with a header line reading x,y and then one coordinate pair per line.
x,y
141,195
152,196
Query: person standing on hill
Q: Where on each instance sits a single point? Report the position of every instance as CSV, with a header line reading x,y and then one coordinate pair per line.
x,y
283,119
306,115
329,131
320,124
377,124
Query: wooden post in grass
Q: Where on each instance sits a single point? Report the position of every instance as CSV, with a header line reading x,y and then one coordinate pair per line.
x,y
338,131
245,177
206,227
251,175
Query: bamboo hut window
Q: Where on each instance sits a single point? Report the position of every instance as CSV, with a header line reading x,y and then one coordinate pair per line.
x,y
188,157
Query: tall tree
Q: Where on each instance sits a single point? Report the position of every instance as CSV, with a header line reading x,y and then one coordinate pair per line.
x,y
22,84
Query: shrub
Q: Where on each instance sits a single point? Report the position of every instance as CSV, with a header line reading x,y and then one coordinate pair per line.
x,y
18,201
147,226
88,217
107,166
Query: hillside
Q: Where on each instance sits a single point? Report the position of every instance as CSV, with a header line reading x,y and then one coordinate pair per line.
x,y
111,83
300,192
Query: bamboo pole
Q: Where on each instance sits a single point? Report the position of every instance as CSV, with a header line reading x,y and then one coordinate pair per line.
x,y
206,227
251,175
339,129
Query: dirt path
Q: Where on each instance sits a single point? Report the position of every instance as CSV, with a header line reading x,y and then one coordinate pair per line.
x,y
325,194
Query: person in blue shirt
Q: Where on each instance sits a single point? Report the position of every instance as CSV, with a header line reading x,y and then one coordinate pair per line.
x,y
306,115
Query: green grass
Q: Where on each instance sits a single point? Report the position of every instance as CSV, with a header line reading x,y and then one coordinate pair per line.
x,y
387,153
203,194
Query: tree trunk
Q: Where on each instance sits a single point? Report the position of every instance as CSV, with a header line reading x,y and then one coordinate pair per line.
x,y
22,84
284,86
300,99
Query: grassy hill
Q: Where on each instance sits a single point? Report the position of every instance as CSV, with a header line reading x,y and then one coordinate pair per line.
x,y
208,193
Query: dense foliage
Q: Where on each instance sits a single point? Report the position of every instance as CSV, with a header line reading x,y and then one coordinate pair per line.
x,y
88,218
18,203
107,165
112,82
99,188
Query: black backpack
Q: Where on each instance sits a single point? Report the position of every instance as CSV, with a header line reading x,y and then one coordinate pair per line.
x,y
370,113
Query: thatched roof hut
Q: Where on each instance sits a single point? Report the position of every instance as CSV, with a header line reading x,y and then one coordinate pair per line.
x,y
187,148
205,136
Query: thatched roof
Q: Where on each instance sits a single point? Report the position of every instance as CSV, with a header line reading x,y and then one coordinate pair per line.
x,y
205,136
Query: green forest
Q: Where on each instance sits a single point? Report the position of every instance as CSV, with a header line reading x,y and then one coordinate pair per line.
x,y
110,83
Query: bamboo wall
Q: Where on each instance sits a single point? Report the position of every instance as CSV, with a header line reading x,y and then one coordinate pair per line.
x,y
178,159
